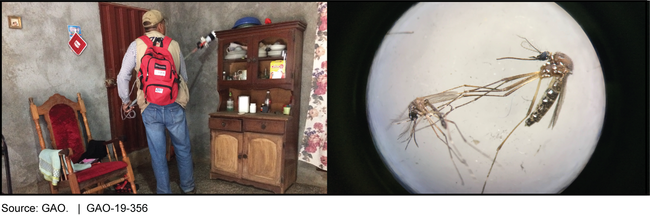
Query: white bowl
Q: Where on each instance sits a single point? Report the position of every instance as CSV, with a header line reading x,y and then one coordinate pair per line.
x,y
278,47
261,55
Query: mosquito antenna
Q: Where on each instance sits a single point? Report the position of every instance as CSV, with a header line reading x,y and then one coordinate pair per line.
x,y
530,44
541,56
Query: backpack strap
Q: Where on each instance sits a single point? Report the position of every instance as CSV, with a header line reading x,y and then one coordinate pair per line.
x,y
166,41
146,40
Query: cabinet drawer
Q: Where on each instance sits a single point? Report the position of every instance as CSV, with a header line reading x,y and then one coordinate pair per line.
x,y
264,126
225,124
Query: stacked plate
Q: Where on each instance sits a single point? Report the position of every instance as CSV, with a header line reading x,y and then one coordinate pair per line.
x,y
235,54
276,50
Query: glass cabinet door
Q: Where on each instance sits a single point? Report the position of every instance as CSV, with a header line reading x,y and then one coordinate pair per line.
x,y
236,57
272,57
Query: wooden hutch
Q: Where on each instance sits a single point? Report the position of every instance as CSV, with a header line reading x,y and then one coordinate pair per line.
x,y
258,149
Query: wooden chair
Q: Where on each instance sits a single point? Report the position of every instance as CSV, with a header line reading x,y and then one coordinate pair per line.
x,y
61,116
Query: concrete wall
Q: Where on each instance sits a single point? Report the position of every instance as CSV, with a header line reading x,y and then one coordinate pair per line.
x,y
37,62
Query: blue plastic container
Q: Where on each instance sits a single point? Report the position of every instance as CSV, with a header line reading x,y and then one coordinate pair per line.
x,y
247,20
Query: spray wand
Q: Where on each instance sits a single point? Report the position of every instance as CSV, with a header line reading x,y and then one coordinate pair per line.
x,y
203,43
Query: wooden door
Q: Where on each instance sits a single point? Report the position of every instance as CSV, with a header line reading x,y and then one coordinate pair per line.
x,y
263,158
120,26
225,153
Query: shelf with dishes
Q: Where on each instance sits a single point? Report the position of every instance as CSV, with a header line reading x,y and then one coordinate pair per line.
x,y
269,64
236,51
272,50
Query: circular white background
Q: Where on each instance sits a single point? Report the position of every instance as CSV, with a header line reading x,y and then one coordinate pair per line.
x,y
458,43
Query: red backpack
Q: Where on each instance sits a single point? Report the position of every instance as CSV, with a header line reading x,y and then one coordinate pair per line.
x,y
158,77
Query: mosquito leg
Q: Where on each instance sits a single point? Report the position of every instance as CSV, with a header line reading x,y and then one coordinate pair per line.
x,y
443,122
434,126
414,129
511,88
462,136
506,79
409,129
515,128
534,97
451,152
472,86
464,94
462,160
405,131
456,167
443,96
474,147
412,136
451,143
497,153
516,85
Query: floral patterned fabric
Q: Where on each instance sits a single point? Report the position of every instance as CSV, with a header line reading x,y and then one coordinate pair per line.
x,y
313,146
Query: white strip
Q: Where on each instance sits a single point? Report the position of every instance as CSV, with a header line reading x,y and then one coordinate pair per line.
x,y
328,204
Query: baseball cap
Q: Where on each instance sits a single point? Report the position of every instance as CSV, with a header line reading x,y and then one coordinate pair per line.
x,y
152,16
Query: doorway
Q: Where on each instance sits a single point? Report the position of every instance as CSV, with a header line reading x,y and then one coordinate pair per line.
x,y
120,26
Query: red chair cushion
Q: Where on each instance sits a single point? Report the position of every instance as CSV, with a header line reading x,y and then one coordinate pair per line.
x,y
65,128
99,169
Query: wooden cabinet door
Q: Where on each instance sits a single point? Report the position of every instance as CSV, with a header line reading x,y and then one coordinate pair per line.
x,y
225,151
263,153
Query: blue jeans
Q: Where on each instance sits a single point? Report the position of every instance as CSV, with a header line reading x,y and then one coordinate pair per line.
x,y
156,118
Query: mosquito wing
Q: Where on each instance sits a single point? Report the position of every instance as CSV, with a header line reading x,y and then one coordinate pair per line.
x,y
401,120
558,106
442,97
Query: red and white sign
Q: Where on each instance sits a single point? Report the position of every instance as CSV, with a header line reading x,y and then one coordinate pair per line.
x,y
77,44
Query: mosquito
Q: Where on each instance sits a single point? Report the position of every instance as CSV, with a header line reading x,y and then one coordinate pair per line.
x,y
557,67
423,108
